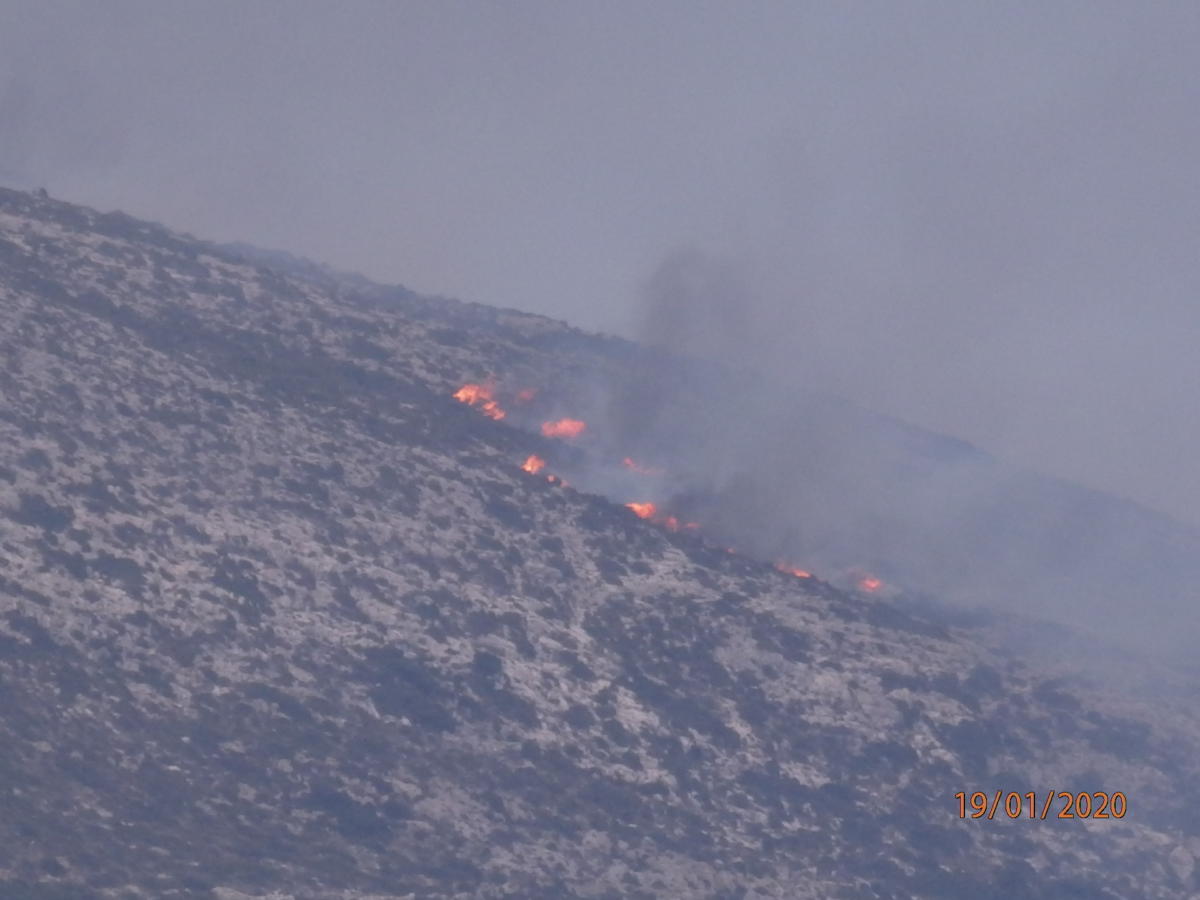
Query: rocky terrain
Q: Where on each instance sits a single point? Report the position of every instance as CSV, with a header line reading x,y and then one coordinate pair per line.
x,y
279,617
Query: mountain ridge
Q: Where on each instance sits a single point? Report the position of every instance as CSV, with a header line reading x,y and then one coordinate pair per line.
x,y
282,617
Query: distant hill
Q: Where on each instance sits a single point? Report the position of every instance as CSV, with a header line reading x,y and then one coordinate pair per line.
x,y
280,617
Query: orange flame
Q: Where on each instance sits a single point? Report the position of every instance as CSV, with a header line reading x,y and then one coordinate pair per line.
x,y
563,428
473,393
533,464
481,396
870,583
643,510
649,511
640,469
789,569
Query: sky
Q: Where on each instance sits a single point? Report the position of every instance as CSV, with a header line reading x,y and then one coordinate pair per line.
x,y
980,217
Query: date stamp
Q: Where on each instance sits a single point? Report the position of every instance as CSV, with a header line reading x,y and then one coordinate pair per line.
x,y
1048,805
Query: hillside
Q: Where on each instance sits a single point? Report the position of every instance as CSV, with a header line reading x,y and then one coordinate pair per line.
x,y
281,617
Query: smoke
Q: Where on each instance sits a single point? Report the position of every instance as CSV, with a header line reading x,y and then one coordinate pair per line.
x,y
767,458
974,217
699,306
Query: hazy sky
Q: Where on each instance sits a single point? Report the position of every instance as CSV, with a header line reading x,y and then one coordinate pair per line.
x,y
982,217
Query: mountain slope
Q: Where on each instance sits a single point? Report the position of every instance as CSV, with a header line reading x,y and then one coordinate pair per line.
x,y
279,615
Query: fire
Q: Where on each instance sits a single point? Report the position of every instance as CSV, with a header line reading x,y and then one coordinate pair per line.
x,y
471,394
483,397
492,410
643,510
628,463
563,428
649,511
789,569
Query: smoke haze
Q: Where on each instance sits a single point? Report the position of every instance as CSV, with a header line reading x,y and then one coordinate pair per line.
x,y
981,219
786,472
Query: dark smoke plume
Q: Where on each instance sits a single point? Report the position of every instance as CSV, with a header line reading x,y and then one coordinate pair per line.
x,y
786,471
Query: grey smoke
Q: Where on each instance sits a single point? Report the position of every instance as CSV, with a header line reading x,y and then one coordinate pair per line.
x,y
788,472
980,218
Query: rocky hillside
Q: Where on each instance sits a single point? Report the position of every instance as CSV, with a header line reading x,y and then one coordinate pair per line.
x,y
280,617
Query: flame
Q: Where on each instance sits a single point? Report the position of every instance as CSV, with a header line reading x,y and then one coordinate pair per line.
x,y
563,428
534,464
789,569
640,469
643,510
649,511
483,397
473,393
